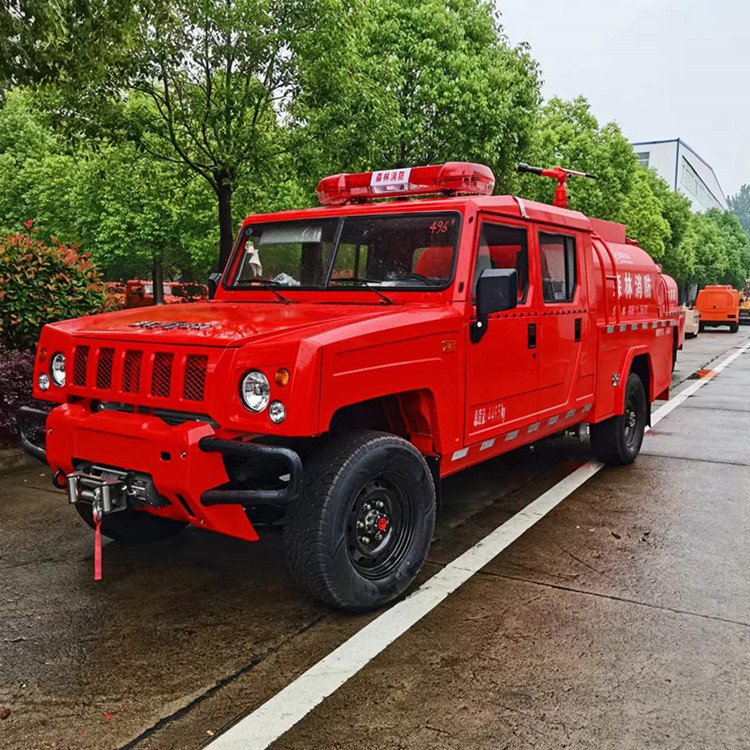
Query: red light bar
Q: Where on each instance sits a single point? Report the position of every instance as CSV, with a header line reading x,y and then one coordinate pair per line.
x,y
453,177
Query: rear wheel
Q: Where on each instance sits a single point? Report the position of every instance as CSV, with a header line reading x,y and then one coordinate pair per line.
x,y
701,327
360,532
734,327
618,439
132,527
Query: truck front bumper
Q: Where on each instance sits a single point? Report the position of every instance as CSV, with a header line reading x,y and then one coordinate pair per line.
x,y
185,463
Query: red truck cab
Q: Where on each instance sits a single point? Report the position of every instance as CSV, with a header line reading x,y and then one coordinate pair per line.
x,y
353,355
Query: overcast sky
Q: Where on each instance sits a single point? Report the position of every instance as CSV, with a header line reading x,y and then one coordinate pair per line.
x,y
662,69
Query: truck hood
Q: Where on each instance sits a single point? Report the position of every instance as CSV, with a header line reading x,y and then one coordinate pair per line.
x,y
225,324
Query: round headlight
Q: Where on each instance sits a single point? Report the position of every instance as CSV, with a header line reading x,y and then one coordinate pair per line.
x,y
255,390
57,369
43,382
277,412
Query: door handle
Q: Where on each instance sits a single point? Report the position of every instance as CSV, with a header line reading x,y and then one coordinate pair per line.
x,y
578,329
531,334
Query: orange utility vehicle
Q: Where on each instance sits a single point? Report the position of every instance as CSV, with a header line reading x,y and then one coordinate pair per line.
x,y
719,305
353,355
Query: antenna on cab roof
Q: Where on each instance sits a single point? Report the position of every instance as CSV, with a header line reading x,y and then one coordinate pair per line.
x,y
556,173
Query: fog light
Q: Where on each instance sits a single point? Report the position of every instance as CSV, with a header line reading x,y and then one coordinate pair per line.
x,y
43,382
277,412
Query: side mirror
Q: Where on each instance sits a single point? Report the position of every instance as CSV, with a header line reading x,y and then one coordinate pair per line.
x,y
497,290
214,280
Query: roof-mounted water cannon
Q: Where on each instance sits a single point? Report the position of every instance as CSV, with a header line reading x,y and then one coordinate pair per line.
x,y
561,175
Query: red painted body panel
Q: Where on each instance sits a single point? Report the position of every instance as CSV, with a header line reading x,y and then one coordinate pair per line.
x,y
460,401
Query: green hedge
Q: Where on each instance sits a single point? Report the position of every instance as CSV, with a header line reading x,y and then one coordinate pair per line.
x,y
41,283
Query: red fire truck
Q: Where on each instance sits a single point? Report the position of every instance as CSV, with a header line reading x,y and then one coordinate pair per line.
x,y
353,355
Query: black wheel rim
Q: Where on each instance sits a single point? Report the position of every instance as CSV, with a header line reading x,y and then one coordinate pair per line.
x,y
380,527
631,422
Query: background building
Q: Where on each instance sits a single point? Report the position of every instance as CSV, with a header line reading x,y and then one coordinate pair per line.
x,y
685,170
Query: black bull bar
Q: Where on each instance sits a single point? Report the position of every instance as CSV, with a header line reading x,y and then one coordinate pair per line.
x,y
218,496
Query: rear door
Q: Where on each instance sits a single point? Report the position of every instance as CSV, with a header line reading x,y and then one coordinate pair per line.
x,y
566,345
502,370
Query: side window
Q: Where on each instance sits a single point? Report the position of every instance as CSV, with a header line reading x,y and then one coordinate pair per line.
x,y
503,247
557,257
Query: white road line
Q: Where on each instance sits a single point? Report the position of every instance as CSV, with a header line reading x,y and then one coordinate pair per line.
x,y
685,394
280,713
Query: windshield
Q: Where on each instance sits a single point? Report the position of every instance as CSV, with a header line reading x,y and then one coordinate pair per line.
x,y
413,251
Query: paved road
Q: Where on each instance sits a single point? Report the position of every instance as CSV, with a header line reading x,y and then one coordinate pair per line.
x,y
621,620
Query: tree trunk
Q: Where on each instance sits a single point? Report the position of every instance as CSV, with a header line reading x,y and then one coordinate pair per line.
x,y
158,280
225,224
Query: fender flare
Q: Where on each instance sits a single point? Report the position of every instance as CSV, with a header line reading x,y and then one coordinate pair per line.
x,y
633,352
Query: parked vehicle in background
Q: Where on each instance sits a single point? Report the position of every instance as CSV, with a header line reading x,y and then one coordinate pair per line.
x,y
745,303
692,321
354,355
719,305
116,291
140,293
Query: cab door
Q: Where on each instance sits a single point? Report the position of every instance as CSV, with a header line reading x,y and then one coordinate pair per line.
x,y
502,369
566,346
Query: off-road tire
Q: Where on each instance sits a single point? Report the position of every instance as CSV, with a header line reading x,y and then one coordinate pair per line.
x,y
734,327
132,527
616,440
321,537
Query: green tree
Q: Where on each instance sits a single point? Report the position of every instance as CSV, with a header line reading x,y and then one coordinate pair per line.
x,y
136,212
38,178
642,212
123,207
409,82
76,40
740,204
736,247
704,244
570,136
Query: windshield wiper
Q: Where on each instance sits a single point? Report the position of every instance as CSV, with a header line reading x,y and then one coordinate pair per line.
x,y
368,284
270,285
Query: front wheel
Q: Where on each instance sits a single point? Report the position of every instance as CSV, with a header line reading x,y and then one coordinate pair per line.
x,y
360,532
618,439
132,527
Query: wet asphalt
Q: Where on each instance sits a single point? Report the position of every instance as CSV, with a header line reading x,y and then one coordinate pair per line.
x,y
621,620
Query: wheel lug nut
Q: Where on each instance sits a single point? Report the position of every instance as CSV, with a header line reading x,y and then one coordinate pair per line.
x,y
379,537
360,525
380,504
366,506
364,539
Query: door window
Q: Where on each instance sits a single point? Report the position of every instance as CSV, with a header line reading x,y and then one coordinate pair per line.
x,y
557,255
503,247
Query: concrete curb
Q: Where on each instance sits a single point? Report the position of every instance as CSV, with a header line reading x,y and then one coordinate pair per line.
x,y
13,459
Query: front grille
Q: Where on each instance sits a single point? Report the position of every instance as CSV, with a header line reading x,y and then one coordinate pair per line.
x,y
141,377
131,372
161,377
195,377
104,368
80,363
